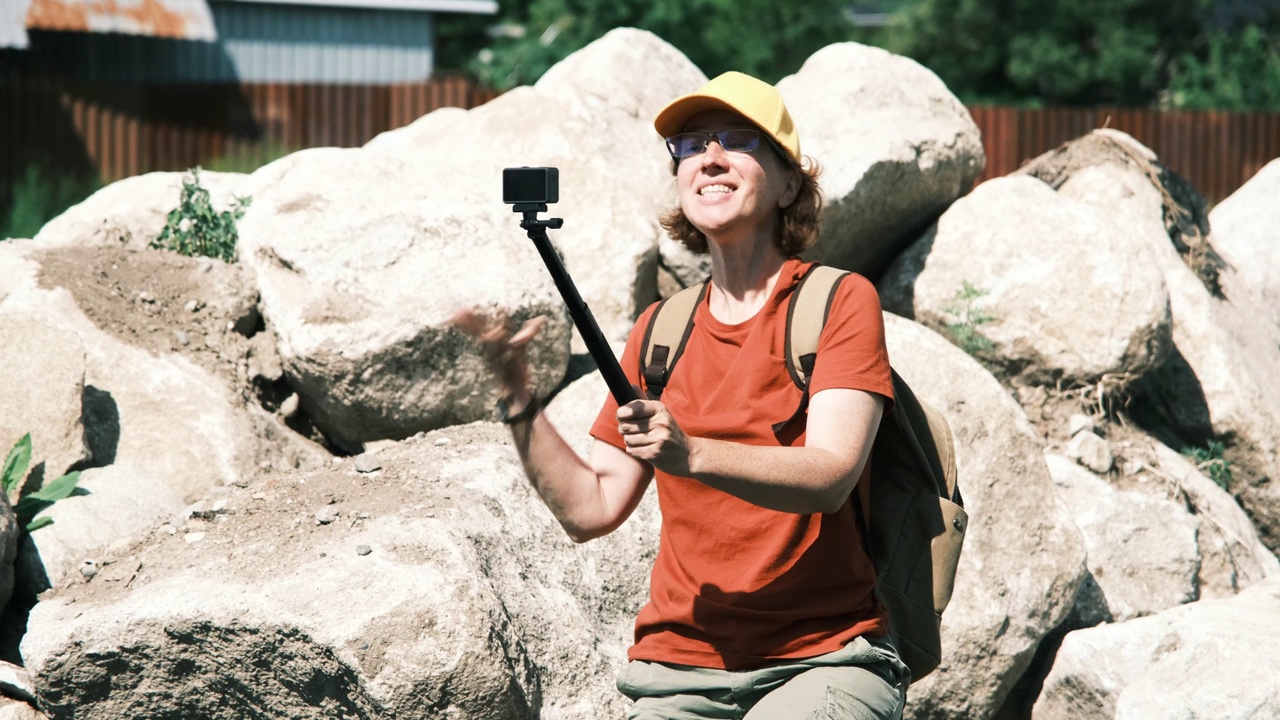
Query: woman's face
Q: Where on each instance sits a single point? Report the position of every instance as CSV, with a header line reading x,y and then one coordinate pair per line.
x,y
722,192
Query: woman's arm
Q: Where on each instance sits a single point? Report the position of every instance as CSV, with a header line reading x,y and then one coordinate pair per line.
x,y
589,498
817,477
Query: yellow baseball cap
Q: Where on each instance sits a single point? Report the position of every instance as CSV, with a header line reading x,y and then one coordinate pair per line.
x,y
756,100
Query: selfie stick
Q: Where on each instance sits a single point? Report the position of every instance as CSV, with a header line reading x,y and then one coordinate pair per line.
x,y
599,348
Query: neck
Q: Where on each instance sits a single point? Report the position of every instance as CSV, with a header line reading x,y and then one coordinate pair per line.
x,y
742,277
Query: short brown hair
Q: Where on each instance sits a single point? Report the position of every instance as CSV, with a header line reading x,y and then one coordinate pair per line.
x,y
799,220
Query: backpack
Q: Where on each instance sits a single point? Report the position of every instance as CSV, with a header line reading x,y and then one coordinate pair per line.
x,y
915,525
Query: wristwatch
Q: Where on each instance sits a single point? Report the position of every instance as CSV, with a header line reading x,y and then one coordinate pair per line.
x,y
530,410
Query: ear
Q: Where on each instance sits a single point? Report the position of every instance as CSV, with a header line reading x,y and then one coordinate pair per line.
x,y
791,190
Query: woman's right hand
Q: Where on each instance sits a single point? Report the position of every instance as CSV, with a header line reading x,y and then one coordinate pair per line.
x,y
505,350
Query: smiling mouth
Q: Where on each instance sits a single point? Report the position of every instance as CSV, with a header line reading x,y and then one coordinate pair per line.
x,y
715,190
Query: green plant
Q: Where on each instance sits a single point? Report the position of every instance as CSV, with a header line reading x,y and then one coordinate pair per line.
x,y
39,197
967,317
195,228
26,507
1209,460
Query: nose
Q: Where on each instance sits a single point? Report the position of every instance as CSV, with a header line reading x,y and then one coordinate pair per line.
x,y
715,151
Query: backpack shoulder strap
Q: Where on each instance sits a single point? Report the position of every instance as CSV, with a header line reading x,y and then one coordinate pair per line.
x,y
665,338
806,317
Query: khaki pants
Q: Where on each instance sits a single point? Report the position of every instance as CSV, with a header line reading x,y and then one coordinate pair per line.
x,y
862,681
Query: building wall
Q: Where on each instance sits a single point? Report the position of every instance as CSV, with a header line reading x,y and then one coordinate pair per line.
x,y
259,43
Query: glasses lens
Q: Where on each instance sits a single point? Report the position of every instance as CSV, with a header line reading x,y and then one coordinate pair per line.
x,y
687,144
740,140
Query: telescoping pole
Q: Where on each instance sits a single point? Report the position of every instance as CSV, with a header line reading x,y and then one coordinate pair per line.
x,y
599,348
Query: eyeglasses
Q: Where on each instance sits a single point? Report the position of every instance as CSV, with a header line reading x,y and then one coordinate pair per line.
x,y
688,144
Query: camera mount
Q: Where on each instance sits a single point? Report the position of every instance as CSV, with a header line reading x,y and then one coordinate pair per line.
x,y
536,228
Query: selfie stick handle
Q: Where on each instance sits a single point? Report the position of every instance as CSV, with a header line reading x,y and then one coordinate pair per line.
x,y
599,348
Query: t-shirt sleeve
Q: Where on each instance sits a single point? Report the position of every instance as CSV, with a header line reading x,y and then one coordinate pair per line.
x,y
851,351
605,427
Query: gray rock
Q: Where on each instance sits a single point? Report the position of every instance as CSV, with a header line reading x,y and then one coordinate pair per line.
x,y
1209,659
1091,451
154,455
367,462
15,682
478,607
1219,379
895,145
1141,550
1026,252
1244,232
18,710
1233,557
43,368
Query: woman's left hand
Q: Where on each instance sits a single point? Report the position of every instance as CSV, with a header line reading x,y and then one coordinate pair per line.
x,y
652,435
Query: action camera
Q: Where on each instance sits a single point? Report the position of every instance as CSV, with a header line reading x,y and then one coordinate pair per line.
x,y
539,185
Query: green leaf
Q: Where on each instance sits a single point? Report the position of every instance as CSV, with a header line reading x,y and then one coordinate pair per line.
x,y
15,465
58,489
39,523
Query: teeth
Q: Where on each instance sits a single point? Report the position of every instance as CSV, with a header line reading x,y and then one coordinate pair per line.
x,y
715,190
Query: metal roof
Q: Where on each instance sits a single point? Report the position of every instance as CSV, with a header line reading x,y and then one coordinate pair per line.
x,y
479,7
179,19
13,26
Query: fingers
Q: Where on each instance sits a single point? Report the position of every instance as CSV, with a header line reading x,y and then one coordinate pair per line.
x,y
503,347
528,331
637,409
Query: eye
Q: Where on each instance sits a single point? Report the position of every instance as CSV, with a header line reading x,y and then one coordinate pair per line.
x,y
739,140
683,145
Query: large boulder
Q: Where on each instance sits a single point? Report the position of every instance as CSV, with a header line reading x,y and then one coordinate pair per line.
x,y
1218,381
895,145
434,584
160,430
362,261
364,256
1142,551
1023,559
1209,659
43,368
1243,229
1059,290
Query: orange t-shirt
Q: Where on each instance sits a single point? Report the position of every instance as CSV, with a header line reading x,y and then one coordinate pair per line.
x,y
735,585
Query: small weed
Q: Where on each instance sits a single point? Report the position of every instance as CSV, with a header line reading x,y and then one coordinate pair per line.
x,y
26,507
195,228
967,317
1209,461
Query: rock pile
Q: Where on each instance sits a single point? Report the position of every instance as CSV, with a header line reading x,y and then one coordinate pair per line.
x,y
294,503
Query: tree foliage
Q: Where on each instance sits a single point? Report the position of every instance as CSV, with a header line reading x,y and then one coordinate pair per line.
x,y
1222,54
1229,70
1055,51
766,38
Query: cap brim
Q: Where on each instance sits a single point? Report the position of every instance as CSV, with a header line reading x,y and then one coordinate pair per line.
x,y
671,119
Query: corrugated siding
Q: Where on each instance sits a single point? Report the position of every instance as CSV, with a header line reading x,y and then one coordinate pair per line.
x,y
121,129
294,44
1217,151
260,43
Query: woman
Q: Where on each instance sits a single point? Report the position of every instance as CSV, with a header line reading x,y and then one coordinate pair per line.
x,y
761,597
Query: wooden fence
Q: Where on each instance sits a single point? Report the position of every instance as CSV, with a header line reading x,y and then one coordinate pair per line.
x,y
1216,151
117,130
